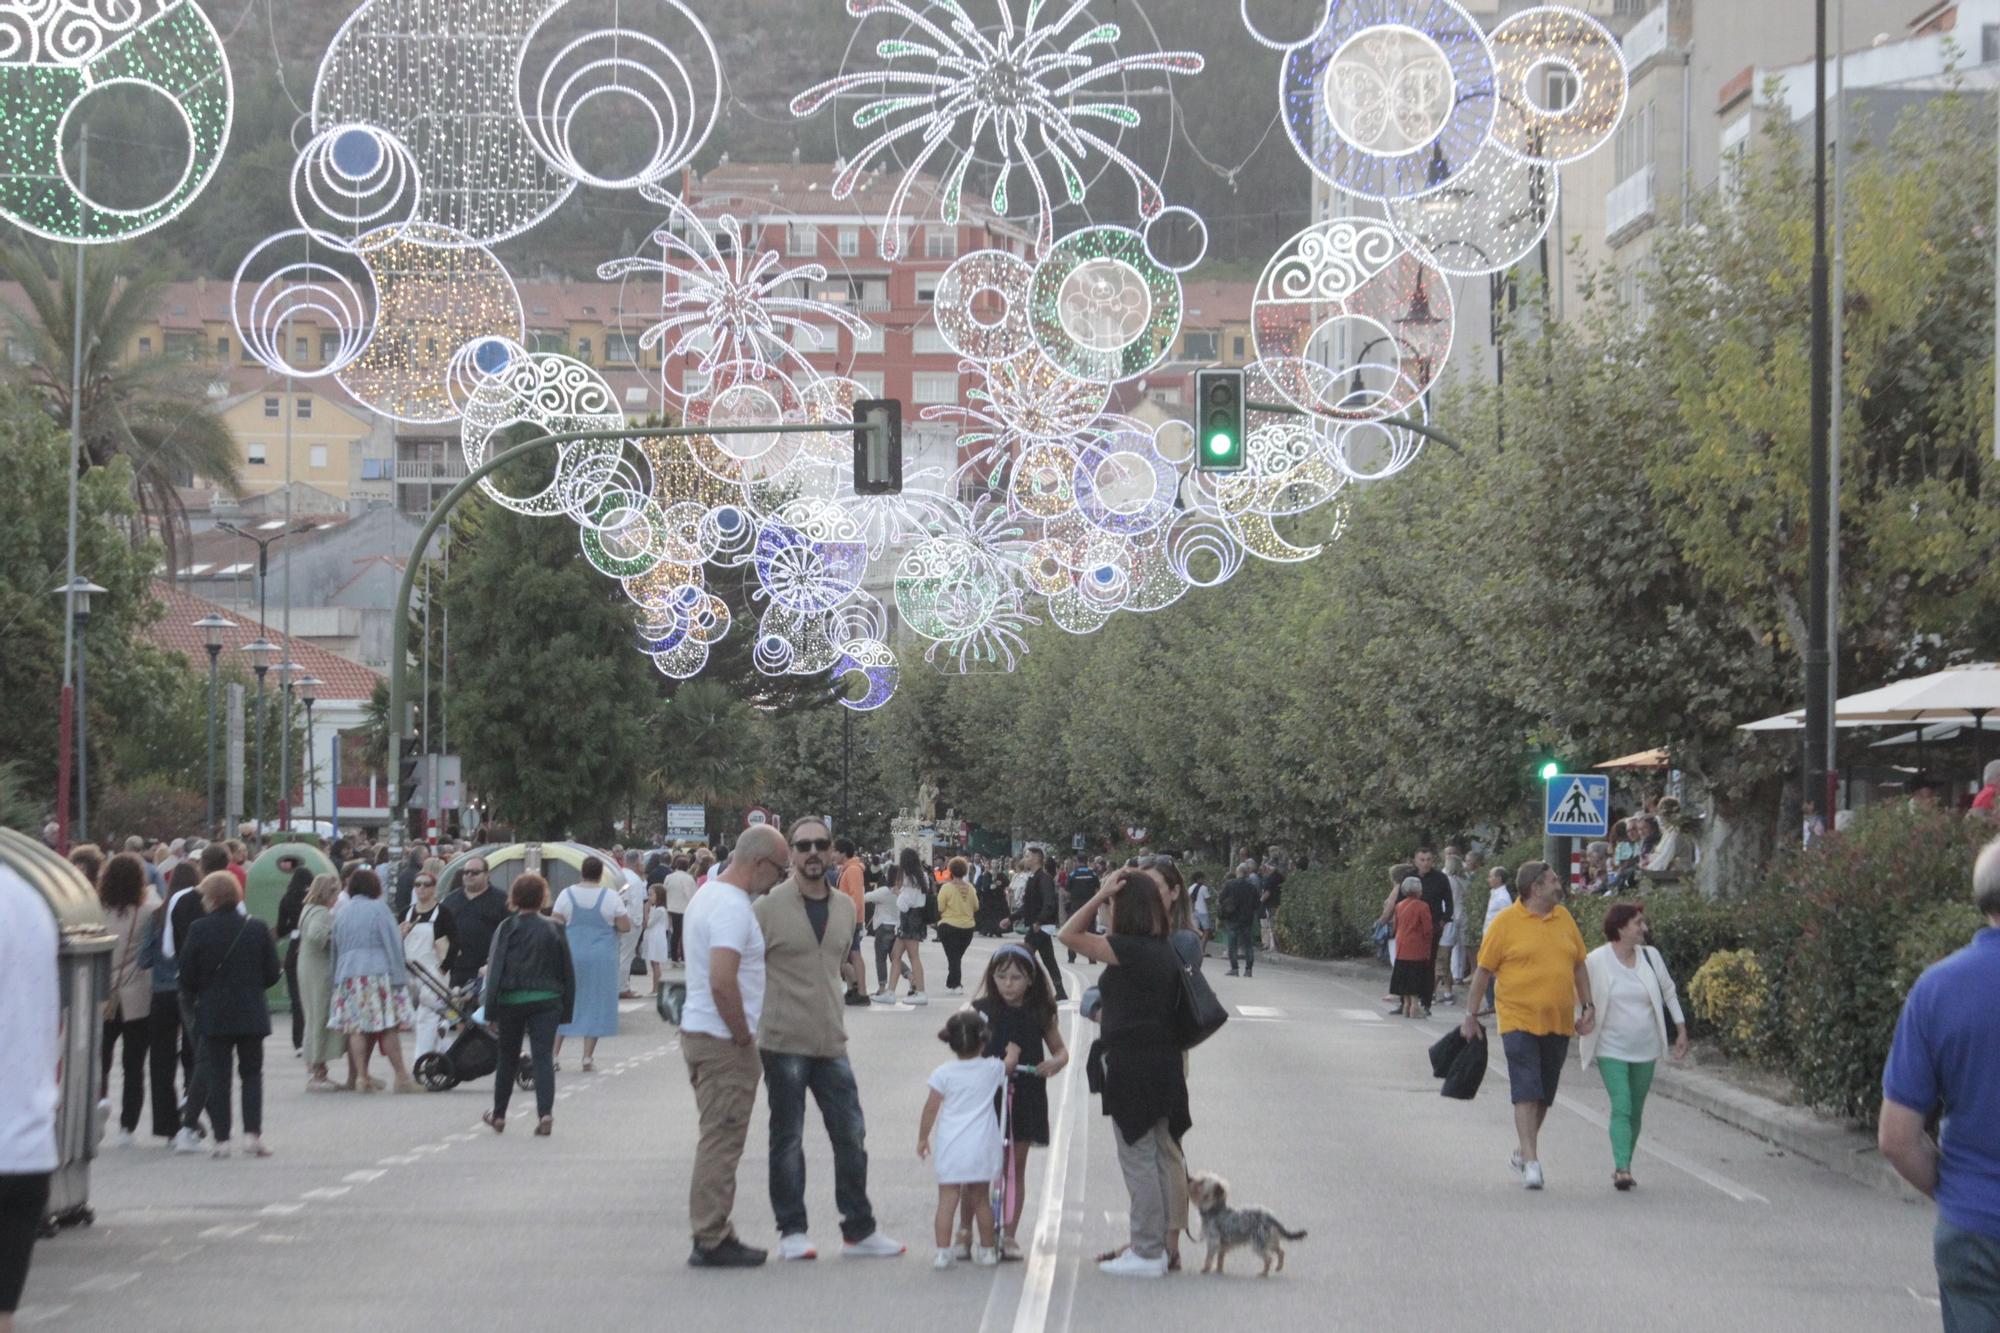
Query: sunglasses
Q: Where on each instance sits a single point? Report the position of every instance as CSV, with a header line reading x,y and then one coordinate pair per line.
x,y
475,872
425,883
812,844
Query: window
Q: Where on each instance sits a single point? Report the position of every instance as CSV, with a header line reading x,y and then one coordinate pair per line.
x,y
801,238
583,350
940,242
1559,91
850,242
869,343
375,469
619,349
301,348
222,350
271,407
1236,348
317,459
870,382
255,455
936,388
304,409
930,341
145,346
927,285
1989,43
329,347
548,342
693,382
1199,346
1633,148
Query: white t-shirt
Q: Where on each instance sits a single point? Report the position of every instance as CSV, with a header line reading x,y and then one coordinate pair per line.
x,y
30,1028
720,918
609,902
1625,1026
965,1141
635,893
680,890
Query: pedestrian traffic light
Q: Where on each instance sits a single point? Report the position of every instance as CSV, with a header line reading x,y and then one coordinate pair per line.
x,y
878,452
1549,770
406,780
1218,424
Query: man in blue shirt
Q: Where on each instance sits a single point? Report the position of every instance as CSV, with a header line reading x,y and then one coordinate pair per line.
x,y
1946,1057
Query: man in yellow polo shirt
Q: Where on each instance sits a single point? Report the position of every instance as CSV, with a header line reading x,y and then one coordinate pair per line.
x,y
1535,948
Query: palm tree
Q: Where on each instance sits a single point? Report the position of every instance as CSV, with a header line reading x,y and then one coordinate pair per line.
x,y
152,408
710,736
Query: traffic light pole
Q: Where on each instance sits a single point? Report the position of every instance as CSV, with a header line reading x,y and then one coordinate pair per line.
x,y
1422,428
399,722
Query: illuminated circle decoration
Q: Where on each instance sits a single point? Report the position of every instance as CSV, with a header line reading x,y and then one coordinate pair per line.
x,y
1560,84
1183,233
554,395
658,65
981,305
315,279
1101,309
54,56
1022,98
435,293
1122,485
875,662
355,182
1488,218
1391,97
440,77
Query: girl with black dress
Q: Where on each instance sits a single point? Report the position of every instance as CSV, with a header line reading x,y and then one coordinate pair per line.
x,y
1020,1008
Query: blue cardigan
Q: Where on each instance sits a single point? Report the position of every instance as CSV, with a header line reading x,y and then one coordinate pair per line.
x,y
367,943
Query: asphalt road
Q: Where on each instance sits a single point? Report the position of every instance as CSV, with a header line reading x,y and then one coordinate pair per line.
x,y
405,1213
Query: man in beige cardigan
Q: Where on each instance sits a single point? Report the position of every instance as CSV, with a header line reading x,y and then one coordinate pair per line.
x,y
802,1040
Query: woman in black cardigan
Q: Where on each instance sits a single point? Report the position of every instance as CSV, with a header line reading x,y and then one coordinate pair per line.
x,y
530,989
227,963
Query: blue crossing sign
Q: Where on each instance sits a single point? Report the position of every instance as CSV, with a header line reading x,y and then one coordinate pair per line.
x,y
1577,805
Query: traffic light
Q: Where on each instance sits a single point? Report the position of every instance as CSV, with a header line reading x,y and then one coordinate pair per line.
x,y
1549,770
1218,420
878,454
406,779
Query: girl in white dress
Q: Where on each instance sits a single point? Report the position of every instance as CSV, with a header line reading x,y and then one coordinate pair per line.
x,y
653,940
969,1152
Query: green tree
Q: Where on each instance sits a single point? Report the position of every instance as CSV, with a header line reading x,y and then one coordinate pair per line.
x,y
706,751
151,409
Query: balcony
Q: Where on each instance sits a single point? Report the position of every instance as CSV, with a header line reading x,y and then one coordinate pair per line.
x,y
1646,38
1629,204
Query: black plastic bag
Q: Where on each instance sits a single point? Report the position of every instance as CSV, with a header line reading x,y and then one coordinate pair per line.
x,y
1460,1063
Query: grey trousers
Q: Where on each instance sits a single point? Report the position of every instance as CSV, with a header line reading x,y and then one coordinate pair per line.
x,y
1149,1165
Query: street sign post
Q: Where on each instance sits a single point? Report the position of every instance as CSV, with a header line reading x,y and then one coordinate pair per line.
x,y
686,821
1576,805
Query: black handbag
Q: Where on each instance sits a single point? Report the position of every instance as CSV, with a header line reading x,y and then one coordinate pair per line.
x,y
1198,1015
1673,1028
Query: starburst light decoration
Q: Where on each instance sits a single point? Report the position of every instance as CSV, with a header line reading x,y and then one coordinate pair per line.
x,y
969,84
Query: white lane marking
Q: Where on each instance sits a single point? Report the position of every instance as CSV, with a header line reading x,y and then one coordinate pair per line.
x,y
30,1315
1361,1015
1039,1280
404,1159
326,1192
1258,1011
226,1230
1933,1301
364,1177
1117,1220
280,1209
1740,1193
104,1282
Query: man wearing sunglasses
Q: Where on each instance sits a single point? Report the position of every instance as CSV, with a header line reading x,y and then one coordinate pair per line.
x,y
808,931
471,914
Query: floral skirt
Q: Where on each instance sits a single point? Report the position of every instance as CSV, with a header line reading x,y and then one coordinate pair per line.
x,y
369,1004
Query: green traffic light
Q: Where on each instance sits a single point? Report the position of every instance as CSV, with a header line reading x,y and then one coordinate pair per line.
x,y
1220,444
1549,770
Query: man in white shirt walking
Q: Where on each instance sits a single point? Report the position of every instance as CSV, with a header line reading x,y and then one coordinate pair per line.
x,y
633,893
30,1020
725,1001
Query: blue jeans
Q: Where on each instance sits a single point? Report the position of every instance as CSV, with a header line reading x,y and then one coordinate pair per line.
x,y
1244,938
1968,1271
832,1085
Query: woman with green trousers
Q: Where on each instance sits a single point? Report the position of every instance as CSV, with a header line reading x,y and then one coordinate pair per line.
x,y
1635,995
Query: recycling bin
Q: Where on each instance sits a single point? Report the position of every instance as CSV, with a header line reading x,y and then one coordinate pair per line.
x,y
83,963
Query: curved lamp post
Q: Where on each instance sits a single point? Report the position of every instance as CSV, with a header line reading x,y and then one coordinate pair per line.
x,y
212,629
260,654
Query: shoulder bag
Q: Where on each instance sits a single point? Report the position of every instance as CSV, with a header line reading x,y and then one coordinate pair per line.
x,y
1198,1015
1673,1028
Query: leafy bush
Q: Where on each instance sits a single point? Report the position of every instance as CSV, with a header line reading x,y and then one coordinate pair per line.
x,y
1329,913
1873,907
18,810
1729,995
151,808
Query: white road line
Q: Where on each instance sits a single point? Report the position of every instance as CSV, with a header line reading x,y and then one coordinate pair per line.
x,y
1039,1278
1740,1193
1361,1015
226,1230
1254,1011
404,1159
29,1315
104,1282
280,1209
326,1192
365,1176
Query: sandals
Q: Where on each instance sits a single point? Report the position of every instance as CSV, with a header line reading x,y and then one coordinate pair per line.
x,y
496,1123
545,1126
589,1064
1622,1180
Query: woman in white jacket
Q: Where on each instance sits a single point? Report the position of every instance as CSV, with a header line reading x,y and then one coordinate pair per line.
x,y
1634,994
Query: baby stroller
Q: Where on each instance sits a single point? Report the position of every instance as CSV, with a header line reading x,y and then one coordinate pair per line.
x,y
471,1051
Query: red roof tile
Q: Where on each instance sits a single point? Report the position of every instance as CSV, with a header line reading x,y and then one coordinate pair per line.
x,y
174,631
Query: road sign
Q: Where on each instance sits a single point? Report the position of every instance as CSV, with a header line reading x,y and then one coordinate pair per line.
x,y
756,815
687,821
1577,805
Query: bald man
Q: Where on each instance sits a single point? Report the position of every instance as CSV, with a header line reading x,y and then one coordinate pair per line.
x,y
725,1000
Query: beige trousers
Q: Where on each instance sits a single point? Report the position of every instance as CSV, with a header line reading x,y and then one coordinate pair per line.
x,y
725,1078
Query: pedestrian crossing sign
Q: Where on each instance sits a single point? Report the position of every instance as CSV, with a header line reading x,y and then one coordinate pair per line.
x,y
1577,805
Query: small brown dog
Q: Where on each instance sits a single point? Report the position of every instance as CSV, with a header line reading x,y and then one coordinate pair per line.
x,y
1224,1228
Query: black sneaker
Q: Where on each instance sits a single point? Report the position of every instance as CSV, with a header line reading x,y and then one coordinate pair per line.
x,y
1234,973
731,1253
855,997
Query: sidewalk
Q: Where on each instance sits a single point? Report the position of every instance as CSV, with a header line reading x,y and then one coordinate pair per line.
x,y
1719,1091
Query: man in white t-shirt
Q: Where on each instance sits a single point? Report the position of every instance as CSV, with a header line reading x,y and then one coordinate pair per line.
x,y
30,1020
633,893
725,1001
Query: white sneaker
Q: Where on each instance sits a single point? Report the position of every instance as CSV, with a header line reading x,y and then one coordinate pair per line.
x,y
917,997
882,997
187,1141
962,1250
219,1150
1532,1175
874,1245
986,1258
126,1138
798,1245
942,1260
1131,1263
1514,1162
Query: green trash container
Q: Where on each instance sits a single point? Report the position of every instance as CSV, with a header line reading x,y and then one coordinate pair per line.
x,y
83,969
267,876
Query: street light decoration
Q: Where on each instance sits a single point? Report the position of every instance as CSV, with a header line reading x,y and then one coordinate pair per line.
x,y
1041,97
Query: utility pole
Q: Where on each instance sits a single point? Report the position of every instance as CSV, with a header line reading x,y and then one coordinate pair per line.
x,y
1817,777
1837,393
66,710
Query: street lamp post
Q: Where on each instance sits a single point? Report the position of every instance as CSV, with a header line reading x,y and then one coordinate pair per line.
x,y
264,545
212,628
288,671
260,654
77,592
308,687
